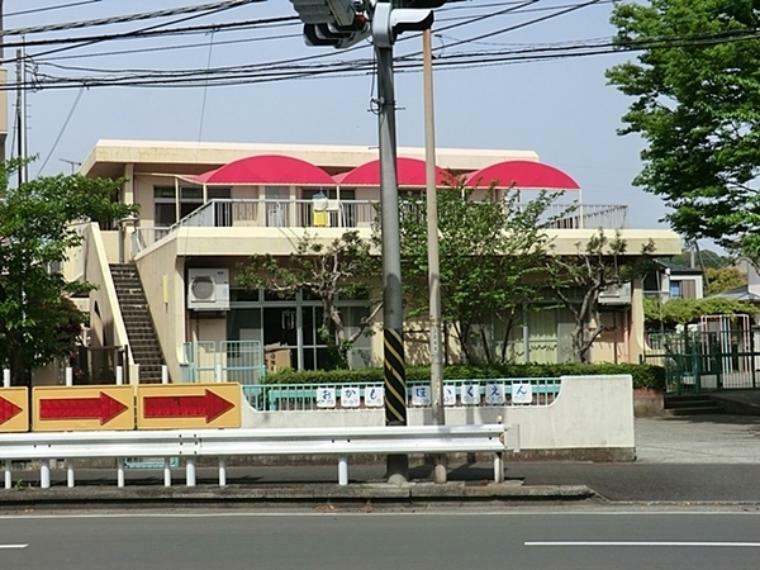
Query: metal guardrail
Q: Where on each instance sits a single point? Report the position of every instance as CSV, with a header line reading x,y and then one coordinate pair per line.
x,y
190,444
536,392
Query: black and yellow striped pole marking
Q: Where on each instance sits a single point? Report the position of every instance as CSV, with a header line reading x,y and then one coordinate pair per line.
x,y
395,378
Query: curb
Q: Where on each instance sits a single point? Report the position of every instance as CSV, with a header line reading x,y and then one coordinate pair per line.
x,y
359,494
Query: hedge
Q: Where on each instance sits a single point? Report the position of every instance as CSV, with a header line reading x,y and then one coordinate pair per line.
x,y
644,375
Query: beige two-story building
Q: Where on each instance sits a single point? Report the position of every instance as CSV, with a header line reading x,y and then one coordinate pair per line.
x,y
166,287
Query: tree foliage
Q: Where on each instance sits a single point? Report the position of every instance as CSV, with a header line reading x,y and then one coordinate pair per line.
x,y
37,229
684,311
724,279
579,280
698,109
342,268
493,252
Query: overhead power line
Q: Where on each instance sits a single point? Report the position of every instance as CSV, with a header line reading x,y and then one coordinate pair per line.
x,y
167,13
50,8
261,73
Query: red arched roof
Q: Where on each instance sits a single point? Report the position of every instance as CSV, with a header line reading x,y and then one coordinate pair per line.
x,y
273,170
411,174
521,174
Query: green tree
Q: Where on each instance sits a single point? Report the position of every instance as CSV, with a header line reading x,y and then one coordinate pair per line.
x,y
37,228
697,106
724,279
579,280
493,252
342,268
684,311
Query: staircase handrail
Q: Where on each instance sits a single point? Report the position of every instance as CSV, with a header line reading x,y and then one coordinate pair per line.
x,y
104,277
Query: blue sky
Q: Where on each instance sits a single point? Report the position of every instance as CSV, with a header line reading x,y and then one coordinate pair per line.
x,y
562,109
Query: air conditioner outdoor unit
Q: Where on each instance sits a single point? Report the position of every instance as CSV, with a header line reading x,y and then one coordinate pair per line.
x,y
208,289
616,295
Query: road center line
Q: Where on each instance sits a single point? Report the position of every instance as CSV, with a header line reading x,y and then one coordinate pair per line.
x,y
646,543
13,546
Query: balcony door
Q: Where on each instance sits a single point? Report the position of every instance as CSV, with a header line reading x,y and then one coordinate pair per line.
x,y
277,206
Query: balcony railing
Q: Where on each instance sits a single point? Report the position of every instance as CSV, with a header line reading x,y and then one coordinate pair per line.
x,y
225,213
280,214
585,216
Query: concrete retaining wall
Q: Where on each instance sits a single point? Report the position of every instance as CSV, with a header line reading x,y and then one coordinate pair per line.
x,y
591,419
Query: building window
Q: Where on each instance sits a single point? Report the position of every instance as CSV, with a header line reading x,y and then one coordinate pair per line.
x,y
675,289
191,199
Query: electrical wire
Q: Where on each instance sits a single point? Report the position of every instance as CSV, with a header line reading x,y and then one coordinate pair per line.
x,y
166,13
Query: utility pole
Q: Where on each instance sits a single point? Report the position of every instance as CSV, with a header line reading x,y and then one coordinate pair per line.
x,y
393,317
20,118
434,277
3,93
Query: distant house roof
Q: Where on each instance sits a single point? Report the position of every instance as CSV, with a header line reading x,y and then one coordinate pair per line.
x,y
739,294
676,269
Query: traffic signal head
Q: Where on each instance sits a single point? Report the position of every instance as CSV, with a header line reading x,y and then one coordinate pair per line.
x,y
388,22
337,23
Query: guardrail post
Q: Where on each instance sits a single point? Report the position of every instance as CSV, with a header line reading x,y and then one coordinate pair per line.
x,y
167,472
119,376
498,467
164,374
69,376
6,378
218,373
190,472
343,471
120,472
8,474
45,474
69,474
222,473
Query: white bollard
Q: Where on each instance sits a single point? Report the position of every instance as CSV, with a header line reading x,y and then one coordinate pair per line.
x,y
45,474
120,473
8,474
164,374
69,376
498,468
6,378
69,474
343,471
190,472
222,473
167,472
119,376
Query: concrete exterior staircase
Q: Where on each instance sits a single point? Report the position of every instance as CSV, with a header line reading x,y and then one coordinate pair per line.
x,y
143,341
693,404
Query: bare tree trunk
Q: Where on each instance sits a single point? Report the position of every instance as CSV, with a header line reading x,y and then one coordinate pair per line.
x,y
486,348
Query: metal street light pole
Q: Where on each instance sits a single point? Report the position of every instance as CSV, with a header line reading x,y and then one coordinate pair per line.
x,y
434,279
393,317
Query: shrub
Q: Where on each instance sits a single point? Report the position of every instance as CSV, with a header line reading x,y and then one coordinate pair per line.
x,y
644,375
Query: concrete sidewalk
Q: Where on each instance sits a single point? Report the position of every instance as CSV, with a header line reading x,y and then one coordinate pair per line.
x,y
719,438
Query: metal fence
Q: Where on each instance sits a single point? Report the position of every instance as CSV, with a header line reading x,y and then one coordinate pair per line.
x,y
697,361
536,392
239,361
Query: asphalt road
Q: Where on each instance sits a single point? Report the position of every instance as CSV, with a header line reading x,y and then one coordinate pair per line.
x,y
441,541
